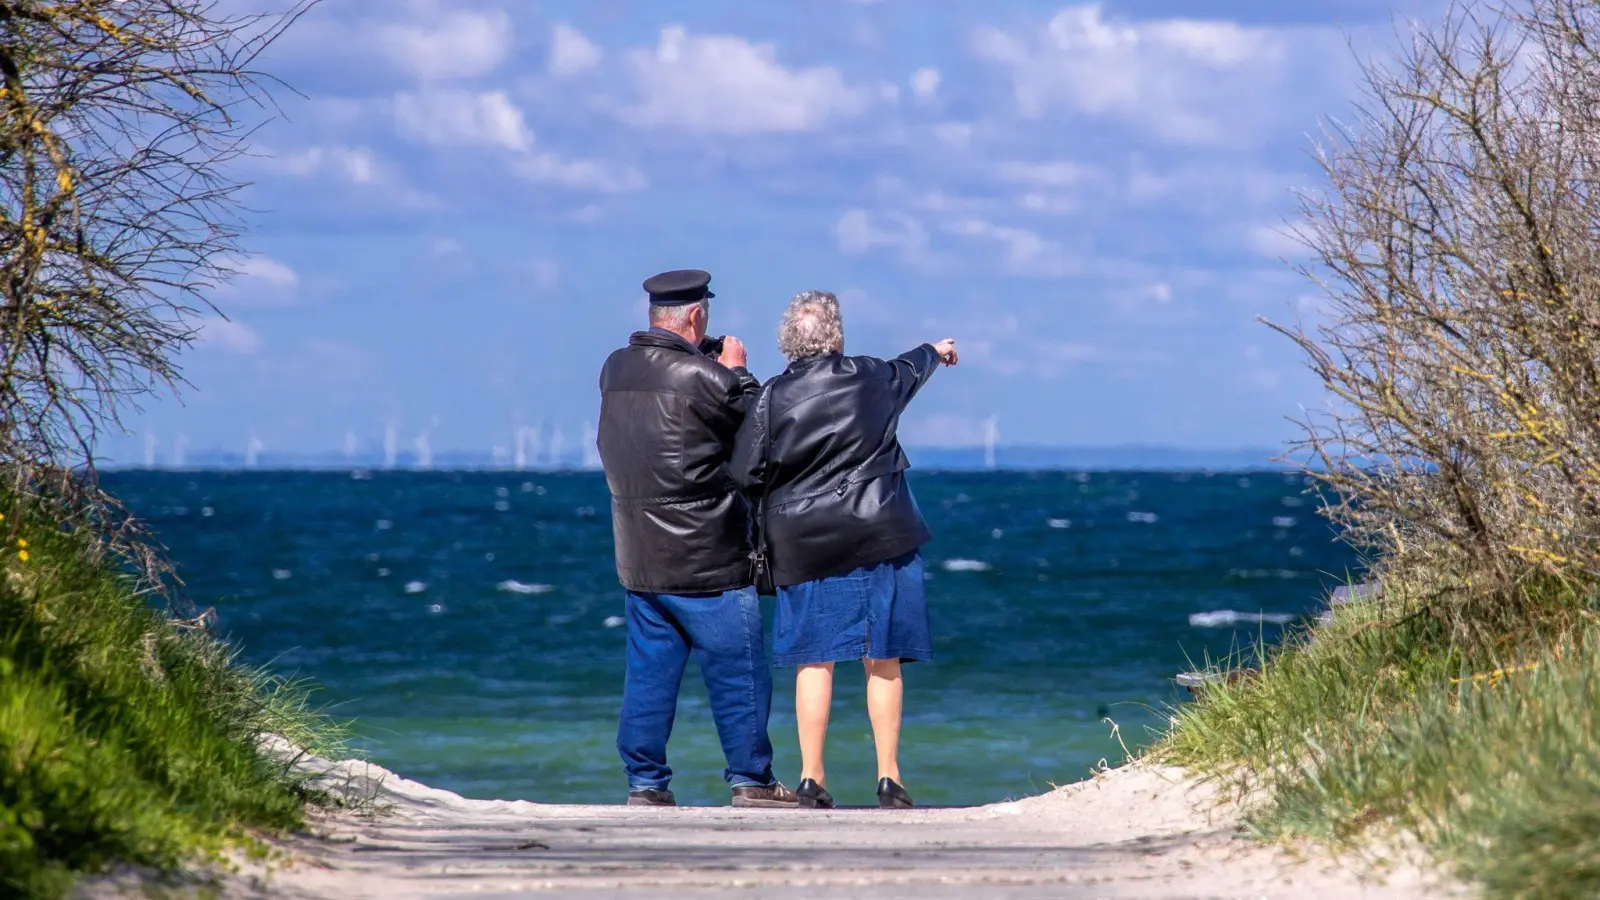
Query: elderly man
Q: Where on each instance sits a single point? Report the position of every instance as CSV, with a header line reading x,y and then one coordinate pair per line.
x,y
668,416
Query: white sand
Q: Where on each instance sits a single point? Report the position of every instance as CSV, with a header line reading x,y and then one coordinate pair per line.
x,y
1139,831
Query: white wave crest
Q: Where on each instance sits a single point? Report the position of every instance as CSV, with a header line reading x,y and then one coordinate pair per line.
x,y
512,586
1221,618
966,565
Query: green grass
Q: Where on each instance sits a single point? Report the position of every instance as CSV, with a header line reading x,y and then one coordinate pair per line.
x,y
1490,759
123,737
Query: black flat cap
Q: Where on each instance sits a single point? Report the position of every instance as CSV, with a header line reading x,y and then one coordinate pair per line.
x,y
678,287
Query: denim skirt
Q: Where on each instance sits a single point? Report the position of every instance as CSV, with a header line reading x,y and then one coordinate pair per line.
x,y
874,612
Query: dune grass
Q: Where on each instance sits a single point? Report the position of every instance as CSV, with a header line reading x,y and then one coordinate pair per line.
x,y
125,737
1489,758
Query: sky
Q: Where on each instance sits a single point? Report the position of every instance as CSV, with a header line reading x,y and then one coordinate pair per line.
x,y
452,215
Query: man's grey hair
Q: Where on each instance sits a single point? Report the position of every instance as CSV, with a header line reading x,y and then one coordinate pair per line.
x,y
811,325
675,316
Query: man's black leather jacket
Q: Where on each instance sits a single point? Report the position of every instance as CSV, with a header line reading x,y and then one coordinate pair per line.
x,y
668,416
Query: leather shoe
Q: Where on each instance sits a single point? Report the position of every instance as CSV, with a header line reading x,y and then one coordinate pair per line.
x,y
772,796
813,795
662,797
892,795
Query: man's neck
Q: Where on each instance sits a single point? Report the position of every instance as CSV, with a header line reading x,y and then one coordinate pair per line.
x,y
687,336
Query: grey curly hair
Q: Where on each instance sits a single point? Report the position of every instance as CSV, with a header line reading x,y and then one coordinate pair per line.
x,y
811,325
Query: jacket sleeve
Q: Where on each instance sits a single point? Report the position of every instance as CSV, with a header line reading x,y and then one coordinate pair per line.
x,y
739,390
749,463
748,387
910,371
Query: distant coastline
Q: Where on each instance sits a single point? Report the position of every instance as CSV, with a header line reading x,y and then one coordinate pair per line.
x,y
1021,457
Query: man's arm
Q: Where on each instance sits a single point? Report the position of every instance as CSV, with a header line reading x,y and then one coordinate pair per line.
x,y
749,463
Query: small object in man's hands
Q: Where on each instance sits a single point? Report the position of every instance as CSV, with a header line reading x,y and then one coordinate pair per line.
x,y
733,353
711,346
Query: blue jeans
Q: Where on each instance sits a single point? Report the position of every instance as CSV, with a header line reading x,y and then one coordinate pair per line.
x,y
724,633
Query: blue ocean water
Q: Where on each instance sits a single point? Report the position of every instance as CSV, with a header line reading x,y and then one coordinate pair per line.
x,y
469,621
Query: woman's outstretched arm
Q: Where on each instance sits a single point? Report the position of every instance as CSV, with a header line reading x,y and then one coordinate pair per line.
x,y
913,368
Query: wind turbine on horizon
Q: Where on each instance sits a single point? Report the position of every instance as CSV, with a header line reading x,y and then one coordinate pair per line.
x,y
591,447
390,445
558,442
424,445
527,447
991,437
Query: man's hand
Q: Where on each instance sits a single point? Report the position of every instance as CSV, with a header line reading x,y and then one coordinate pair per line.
x,y
947,351
732,353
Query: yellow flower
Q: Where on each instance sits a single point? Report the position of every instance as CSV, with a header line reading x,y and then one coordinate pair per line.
x,y
22,555
21,542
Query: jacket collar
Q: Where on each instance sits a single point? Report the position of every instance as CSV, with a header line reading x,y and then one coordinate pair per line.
x,y
660,337
807,363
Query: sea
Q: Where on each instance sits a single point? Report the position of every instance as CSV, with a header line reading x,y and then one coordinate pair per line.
x,y
468,625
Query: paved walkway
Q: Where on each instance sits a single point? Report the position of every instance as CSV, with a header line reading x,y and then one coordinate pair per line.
x,y
1135,832
1138,832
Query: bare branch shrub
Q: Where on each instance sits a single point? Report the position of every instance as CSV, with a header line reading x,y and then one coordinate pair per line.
x,y
1457,249
118,122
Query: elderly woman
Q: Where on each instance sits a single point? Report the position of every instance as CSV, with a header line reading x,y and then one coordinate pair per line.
x,y
842,532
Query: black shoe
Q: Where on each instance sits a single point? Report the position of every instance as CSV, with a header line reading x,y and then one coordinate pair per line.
x,y
662,797
891,795
772,796
813,795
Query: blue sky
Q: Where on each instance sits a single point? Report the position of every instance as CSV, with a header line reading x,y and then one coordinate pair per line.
x,y
452,223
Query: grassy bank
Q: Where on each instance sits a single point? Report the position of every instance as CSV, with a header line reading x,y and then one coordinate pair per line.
x,y
124,735
1378,721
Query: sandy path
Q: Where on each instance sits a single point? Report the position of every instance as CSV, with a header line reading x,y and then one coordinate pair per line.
x,y
1134,832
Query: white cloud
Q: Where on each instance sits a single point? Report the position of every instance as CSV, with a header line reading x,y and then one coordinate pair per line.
x,y
1188,81
725,85
1026,252
264,270
257,281
452,118
544,271
896,192
859,232
1059,174
458,44
571,52
231,336
1276,241
356,165
593,174
925,83
956,134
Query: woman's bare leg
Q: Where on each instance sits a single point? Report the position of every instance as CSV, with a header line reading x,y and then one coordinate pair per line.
x,y
813,698
885,696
